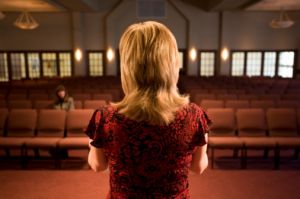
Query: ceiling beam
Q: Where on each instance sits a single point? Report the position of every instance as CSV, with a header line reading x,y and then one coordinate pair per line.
x,y
221,5
248,4
203,4
78,5
212,5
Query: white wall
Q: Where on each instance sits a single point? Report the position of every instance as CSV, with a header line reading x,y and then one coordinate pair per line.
x,y
93,31
241,30
125,15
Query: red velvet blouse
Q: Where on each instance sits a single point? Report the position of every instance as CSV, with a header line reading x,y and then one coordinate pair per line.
x,y
148,161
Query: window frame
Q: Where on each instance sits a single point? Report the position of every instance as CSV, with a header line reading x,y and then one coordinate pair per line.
x,y
87,52
27,64
261,63
199,59
72,57
295,70
231,62
39,52
57,62
7,64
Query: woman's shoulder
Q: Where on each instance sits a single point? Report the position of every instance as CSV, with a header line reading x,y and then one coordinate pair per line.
x,y
196,111
106,110
201,113
194,108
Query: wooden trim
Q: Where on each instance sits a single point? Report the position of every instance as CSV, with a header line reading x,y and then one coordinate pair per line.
x,y
41,65
276,64
72,64
245,63
87,61
230,65
9,67
262,64
26,66
296,70
57,64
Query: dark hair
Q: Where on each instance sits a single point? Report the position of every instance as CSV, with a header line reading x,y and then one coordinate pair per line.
x,y
58,89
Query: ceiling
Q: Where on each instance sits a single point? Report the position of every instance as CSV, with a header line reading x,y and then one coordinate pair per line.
x,y
31,5
57,5
104,5
246,5
271,5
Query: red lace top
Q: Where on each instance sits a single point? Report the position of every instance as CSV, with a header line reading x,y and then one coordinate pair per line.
x,y
148,161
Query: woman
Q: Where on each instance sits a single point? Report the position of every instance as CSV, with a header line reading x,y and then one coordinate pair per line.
x,y
62,99
154,135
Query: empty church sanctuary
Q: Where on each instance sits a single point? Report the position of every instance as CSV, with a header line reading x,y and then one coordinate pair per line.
x,y
140,99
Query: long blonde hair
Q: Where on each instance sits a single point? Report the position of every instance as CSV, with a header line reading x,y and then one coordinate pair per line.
x,y
149,74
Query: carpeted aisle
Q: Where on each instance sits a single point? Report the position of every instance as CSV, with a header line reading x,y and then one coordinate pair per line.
x,y
49,184
213,184
246,184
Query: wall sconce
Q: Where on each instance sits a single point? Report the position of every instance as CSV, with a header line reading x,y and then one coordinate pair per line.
x,y
2,15
225,54
193,54
78,54
110,54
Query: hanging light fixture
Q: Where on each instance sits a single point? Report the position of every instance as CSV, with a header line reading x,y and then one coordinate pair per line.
x,y
25,21
283,21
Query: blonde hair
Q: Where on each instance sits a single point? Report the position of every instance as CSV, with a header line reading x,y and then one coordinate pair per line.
x,y
149,74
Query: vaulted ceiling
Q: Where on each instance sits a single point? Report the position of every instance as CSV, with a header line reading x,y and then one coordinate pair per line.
x,y
247,5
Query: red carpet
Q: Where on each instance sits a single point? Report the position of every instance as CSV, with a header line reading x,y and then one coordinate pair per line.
x,y
75,181
213,184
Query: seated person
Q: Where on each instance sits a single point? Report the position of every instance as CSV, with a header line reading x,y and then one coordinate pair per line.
x,y
63,101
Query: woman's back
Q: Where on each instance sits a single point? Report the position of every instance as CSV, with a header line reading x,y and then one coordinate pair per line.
x,y
148,161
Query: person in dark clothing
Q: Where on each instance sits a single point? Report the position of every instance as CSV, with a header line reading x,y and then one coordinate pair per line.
x,y
62,100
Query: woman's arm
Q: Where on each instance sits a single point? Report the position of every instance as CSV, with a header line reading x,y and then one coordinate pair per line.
x,y
200,160
97,159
